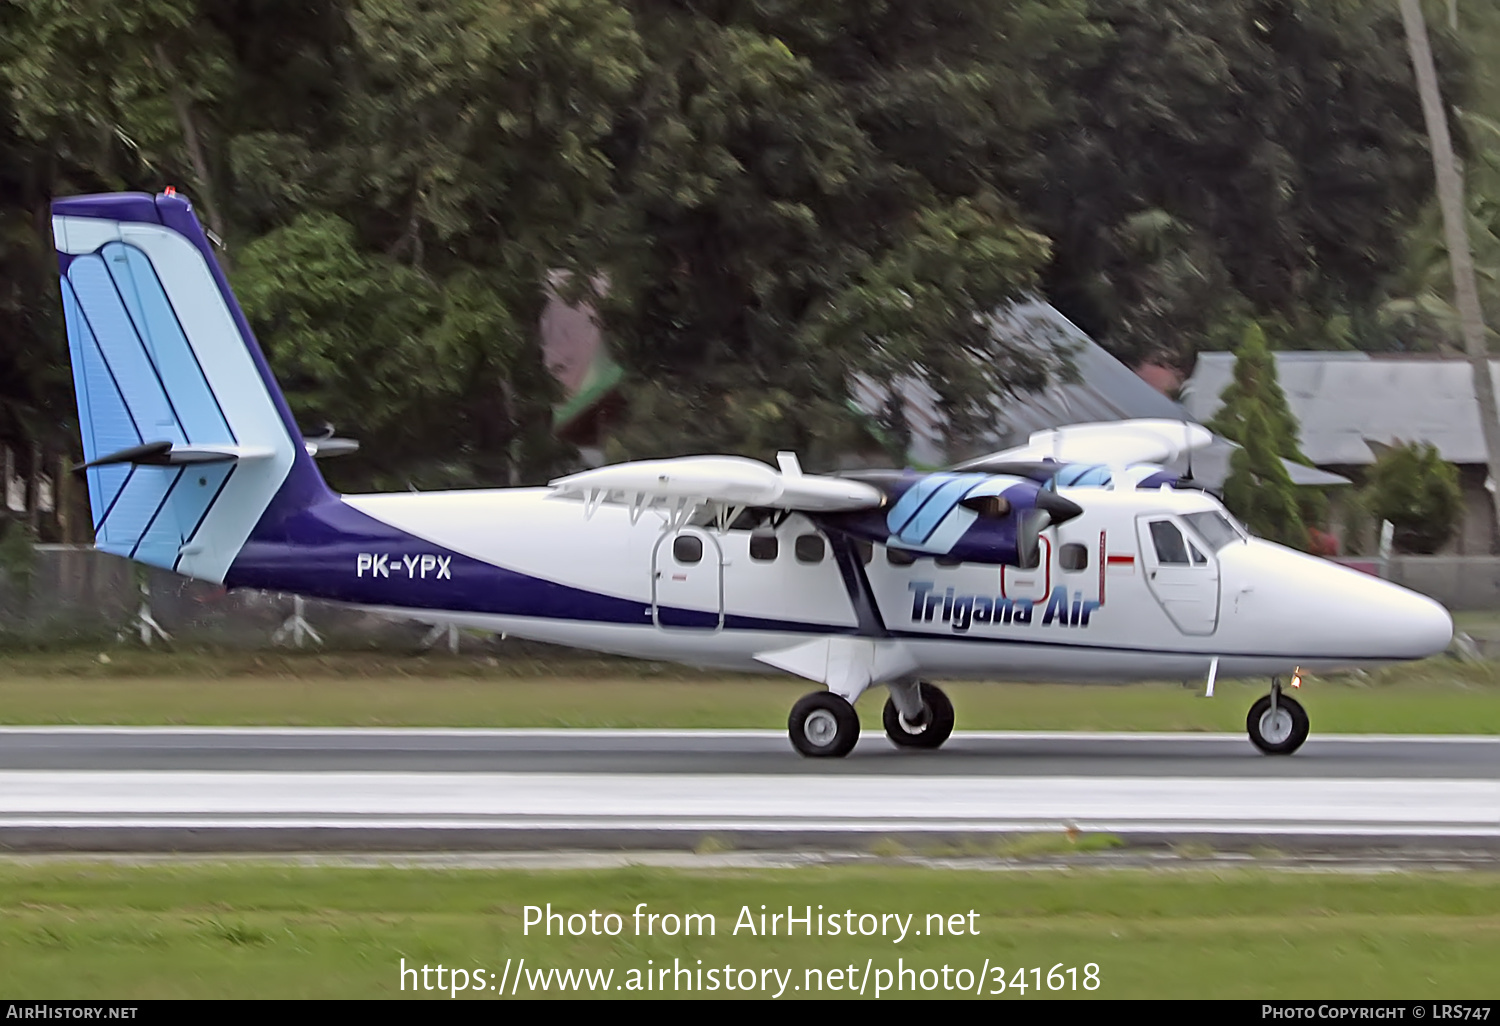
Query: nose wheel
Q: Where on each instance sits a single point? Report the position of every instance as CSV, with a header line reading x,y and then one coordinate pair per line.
x,y
823,725
1277,724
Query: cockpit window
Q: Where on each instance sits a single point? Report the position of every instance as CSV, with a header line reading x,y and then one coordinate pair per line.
x,y
1171,548
1214,528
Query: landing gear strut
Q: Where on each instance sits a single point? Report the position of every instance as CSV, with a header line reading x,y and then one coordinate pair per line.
x,y
1277,724
823,725
917,715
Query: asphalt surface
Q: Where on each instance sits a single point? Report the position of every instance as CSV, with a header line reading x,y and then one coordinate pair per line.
x,y
310,790
306,750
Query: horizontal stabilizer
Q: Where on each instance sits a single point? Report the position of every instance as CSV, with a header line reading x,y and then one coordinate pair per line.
x,y
166,454
323,448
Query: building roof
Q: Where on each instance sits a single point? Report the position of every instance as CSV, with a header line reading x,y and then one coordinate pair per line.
x,y
1344,400
1101,388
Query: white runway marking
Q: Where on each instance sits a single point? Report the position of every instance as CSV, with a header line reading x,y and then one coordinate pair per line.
x,y
583,801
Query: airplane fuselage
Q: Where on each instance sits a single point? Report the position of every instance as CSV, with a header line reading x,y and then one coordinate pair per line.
x,y
1102,605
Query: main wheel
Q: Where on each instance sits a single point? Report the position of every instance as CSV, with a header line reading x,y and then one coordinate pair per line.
x,y
1279,732
936,724
823,725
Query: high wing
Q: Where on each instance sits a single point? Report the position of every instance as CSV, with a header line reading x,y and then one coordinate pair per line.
x,y
1114,443
724,485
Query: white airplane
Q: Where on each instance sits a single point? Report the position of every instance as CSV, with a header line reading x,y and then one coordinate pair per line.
x,y
1076,557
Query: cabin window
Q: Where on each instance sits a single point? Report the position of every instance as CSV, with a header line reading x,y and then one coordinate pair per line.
x,y
1171,547
1073,556
809,548
947,560
1199,559
899,557
764,547
687,548
865,549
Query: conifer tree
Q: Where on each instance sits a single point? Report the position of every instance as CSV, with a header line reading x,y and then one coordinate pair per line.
x,y
1259,490
1255,385
1257,416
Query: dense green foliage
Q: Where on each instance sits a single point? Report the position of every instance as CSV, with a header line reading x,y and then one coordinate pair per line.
x,y
1418,492
1420,311
776,196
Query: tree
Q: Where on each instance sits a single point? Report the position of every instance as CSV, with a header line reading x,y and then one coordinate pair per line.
x,y
781,195
805,191
1224,159
1256,415
1450,188
1259,491
1419,493
1255,387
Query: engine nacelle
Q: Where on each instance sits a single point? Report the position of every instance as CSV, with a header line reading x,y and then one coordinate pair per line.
x,y
972,518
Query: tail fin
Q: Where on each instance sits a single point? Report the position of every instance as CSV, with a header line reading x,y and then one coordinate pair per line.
x,y
188,443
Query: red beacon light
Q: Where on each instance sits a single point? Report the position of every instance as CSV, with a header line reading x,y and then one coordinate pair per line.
x,y
170,190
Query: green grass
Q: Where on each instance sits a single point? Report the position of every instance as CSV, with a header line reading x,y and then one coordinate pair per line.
x,y
206,688
268,931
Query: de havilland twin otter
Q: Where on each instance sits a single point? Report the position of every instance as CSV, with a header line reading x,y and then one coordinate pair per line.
x,y
1076,557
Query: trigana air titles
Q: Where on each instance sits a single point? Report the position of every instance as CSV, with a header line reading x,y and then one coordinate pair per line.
x,y
1074,557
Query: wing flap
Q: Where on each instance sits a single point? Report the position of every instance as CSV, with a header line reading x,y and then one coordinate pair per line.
x,y
683,485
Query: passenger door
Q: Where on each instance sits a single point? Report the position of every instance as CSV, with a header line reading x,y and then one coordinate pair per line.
x,y
687,581
1181,574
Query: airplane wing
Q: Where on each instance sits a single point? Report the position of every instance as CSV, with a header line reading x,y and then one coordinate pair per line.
x,y
725,484
1113,443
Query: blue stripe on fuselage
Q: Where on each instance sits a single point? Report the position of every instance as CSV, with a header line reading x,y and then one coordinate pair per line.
x,y
316,552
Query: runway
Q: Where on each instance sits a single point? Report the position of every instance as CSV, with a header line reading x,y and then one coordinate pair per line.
x,y
281,789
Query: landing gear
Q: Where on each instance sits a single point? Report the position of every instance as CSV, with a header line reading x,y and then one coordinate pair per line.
x,y
1277,724
823,725
918,715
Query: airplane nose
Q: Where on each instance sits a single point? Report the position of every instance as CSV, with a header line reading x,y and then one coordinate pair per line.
x,y
1428,625
1396,623
1314,606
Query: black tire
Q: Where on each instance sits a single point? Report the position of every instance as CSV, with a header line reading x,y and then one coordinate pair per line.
x,y
936,727
823,726
1285,734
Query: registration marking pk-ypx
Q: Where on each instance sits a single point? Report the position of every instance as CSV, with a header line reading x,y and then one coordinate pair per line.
x,y
380,564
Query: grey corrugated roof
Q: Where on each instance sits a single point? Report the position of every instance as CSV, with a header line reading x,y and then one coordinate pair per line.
x,y
1104,390
1342,399
1211,467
